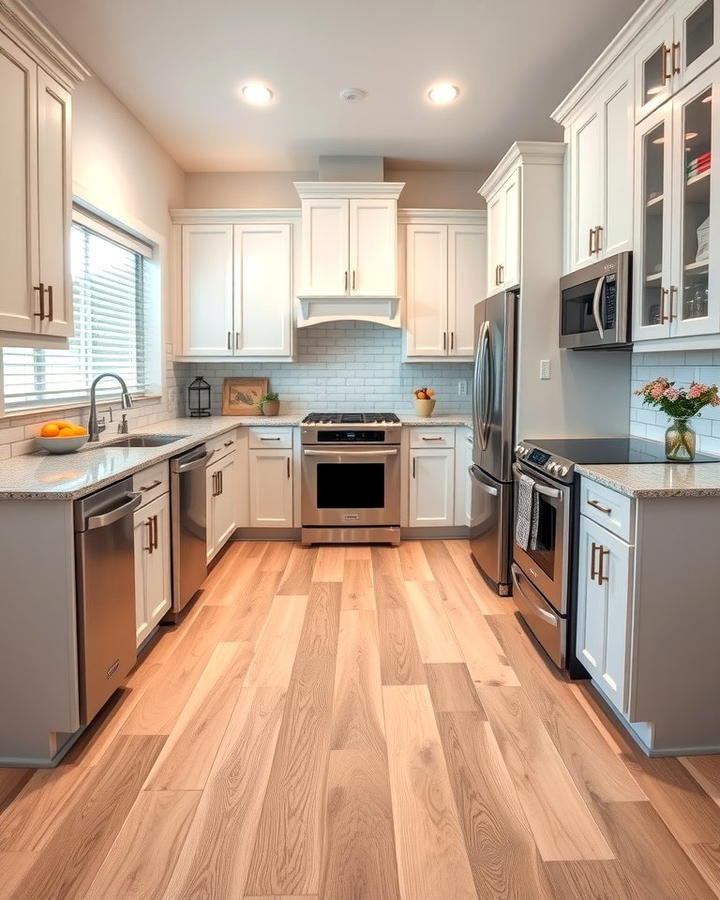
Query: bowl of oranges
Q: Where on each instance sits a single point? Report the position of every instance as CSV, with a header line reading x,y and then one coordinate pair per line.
x,y
61,437
424,399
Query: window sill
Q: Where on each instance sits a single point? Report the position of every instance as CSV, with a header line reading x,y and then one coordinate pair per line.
x,y
139,402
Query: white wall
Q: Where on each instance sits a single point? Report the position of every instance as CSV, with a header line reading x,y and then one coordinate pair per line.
x,y
120,169
238,190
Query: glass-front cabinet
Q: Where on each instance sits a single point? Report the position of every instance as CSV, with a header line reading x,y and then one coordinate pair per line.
x,y
677,211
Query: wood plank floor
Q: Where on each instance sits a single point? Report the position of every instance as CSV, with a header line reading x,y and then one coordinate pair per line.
x,y
356,724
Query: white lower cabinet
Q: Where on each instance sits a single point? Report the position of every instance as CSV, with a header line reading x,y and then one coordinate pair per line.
x,y
223,495
432,486
603,604
463,482
271,488
153,589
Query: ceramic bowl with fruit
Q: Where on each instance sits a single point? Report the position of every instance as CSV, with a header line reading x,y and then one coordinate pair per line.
x,y
424,399
61,437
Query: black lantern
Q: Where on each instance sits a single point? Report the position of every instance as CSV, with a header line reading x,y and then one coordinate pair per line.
x,y
199,397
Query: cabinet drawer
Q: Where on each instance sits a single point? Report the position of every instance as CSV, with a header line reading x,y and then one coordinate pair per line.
x,y
152,482
432,437
223,444
608,508
262,438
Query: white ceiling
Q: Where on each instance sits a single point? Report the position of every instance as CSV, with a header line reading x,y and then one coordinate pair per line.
x,y
177,65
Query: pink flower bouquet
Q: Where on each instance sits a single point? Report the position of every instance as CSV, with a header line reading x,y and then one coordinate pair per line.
x,y
679,403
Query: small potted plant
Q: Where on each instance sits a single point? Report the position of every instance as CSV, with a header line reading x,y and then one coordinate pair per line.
x,y
424,401
270,404
681,404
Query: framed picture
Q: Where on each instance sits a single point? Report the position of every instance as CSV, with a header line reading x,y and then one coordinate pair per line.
x,y
241,396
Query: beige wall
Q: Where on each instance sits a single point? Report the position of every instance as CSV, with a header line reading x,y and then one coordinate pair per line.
x,y
249,190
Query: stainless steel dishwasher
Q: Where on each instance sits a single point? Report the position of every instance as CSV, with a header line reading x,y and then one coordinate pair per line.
x,y
188,504
105,582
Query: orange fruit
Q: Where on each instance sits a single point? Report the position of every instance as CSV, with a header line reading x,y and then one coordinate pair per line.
x,y
68,431
49,430
430,392
79,430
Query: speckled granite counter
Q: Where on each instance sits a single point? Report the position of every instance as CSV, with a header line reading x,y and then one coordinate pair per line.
x,y
648,480
42,476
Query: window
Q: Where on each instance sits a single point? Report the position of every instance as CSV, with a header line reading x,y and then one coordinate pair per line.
x,y
110,294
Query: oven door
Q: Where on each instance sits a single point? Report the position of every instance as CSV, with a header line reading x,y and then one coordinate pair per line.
x,y
594,305
346,486
547,565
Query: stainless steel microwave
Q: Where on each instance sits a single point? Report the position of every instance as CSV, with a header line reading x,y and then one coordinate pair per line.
x,y
595,305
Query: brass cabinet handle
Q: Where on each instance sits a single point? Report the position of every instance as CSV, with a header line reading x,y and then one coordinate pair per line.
x,y
51,305
288,467
427,437
597,505
346,280
155,532
41,290
663,294
676,58
229,341
354,279
602,577
220,480
598,233
593,551
149,523
591,242
228,443
667,51
673,292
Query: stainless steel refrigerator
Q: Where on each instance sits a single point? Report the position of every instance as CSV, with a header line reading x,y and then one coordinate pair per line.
x,y
493,436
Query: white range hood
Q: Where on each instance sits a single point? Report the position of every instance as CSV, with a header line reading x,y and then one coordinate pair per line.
x,y
349,252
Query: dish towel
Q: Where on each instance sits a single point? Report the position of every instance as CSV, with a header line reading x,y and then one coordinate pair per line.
x,y
526,522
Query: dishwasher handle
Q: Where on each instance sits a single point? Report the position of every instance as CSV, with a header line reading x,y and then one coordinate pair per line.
x,y
180,468
133,501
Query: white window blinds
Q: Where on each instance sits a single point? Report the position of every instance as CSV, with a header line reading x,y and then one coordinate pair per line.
x,y
110,310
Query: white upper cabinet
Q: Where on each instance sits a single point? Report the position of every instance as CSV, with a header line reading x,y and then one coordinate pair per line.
x,y
207,290
654,78
35,184
445,271
326,247
601,173
263,279
503,259
373,247
236,284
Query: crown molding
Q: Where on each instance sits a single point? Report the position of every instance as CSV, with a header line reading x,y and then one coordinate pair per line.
x,y
448,216
28,30
618,45
525,153
229,216
353,190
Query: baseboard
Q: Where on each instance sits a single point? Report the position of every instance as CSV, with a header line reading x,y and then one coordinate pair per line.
x,y
435,534
266,534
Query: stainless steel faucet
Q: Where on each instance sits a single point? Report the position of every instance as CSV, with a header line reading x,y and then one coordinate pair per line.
x,y
95,426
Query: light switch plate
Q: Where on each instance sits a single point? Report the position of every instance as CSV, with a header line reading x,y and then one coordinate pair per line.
x,y
462,388
544,369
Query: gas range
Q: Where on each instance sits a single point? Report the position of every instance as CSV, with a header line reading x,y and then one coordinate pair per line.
x,y
350,428
372,418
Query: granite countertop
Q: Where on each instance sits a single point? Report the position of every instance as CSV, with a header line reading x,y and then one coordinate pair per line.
x,y
43,476
652,480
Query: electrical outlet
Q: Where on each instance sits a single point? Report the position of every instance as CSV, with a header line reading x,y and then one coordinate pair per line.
x,y
544,369
462,388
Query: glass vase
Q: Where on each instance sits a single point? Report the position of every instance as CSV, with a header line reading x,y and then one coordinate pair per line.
x,y
680,441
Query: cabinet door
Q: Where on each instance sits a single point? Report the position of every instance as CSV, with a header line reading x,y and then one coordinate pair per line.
x,y
54,205
158,590
373,248
617,166
695,306
325,247
271,489
226,500
142,526
463,482
263,289
510,272
467,265
427,290
604,579
431,488
212,487
653,207
653,68
586,192
207,290
496,241
18,189
697,36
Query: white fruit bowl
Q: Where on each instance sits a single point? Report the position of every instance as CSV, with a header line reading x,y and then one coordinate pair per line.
x,y
62,444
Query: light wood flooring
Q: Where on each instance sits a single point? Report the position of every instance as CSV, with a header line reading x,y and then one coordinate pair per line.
x,y
355,723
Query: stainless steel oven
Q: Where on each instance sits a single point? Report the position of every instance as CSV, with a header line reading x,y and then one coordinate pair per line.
x,y
350,482
595,305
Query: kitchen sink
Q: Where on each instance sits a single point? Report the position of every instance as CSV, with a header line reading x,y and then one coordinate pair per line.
x,y
143,440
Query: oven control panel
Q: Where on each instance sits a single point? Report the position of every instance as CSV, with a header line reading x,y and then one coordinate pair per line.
x,y
559,468
345,436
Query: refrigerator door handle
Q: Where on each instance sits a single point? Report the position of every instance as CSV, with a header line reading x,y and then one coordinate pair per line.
x,y
476,386
481,369
487,387
493,491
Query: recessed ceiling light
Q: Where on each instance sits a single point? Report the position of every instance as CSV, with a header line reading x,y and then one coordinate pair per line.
x,y
352,95
257,94
443,93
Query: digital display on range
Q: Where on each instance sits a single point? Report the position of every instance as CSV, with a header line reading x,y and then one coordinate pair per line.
x,y
350,437
539,457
